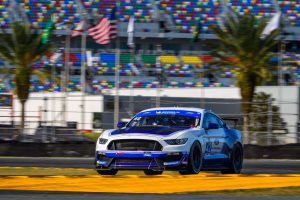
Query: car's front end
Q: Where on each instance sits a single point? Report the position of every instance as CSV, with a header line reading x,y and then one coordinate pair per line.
x,y
141,151
155,140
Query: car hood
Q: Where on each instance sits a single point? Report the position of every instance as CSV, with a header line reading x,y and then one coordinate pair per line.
x,y
154,130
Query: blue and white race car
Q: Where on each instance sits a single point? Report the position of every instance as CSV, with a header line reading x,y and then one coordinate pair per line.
x,y
185,139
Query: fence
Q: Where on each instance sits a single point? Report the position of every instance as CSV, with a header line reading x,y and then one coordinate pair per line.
x,y
56,117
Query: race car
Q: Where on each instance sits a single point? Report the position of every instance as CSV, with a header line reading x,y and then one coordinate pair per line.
x,y
184,139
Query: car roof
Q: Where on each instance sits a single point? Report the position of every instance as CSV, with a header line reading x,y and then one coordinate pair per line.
x,y
177,108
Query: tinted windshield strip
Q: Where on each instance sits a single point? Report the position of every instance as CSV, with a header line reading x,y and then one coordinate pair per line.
x,y
169,112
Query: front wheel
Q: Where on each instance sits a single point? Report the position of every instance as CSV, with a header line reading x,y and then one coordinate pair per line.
x,y
152,172
107,172
194,160
236,161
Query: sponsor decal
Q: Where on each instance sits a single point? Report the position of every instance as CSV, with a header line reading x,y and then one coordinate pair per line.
x,y
170,112
120,152
167,112
208,147
147,154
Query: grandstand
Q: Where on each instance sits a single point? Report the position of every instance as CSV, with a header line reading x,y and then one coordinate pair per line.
x,y
185,13
178,62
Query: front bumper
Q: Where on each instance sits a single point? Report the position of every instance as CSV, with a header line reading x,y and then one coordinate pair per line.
x,y
155,160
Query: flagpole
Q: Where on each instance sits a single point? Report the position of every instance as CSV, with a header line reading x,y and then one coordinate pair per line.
x,y
280,59
130,43
83,27
117,75
53,102
196,38
131,80
66,77
280,47
83,78
159,77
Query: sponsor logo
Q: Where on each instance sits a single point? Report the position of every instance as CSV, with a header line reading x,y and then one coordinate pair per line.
x,y
120,152
147,154
166,112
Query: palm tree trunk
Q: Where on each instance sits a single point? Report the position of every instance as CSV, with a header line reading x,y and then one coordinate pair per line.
x,y
23,103
247,88
246,124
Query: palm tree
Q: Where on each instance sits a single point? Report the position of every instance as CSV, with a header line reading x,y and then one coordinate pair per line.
x,y
242,46
21,49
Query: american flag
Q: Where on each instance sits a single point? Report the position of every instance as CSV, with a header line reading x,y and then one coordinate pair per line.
x,y
105,29
79,29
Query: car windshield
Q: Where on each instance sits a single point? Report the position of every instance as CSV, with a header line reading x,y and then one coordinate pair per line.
x,y
164,120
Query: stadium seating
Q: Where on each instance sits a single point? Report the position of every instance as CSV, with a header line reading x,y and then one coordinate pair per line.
x,y
186,67
140,8
99,85
291,63
3,87
185,14
291,8
148,62
39,12
149,59
169,59
4,19
191,60
98,6
179,70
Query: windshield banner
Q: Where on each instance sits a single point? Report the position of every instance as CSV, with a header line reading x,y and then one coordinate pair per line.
x,y
170,112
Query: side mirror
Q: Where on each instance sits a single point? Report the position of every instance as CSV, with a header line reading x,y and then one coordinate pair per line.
x,y
121,124
213,126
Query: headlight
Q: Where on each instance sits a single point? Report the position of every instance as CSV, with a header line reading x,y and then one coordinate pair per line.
x,y
176,141
102,140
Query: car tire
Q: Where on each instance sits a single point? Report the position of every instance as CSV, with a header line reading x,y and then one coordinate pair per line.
x,y
108,172
236,161
152,172
194,160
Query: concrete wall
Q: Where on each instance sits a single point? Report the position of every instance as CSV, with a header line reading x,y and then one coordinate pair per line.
x,y
37,104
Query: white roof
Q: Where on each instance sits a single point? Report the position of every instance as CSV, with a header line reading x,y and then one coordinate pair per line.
x,y
177,108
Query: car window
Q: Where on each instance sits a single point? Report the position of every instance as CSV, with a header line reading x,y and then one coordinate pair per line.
x,y
221,122
209,118
164,120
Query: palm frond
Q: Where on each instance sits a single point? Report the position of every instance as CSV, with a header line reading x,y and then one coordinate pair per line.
x,y
241,46
22,48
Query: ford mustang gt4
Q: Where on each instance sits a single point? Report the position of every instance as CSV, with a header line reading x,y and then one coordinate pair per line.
x,y
184,139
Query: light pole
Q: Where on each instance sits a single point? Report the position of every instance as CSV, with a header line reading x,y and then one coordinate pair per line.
x,y
65,77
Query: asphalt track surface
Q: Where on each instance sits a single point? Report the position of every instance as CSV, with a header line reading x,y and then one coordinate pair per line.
x,y
263,166
29,195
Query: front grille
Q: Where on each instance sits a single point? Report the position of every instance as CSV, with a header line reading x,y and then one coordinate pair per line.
x,y
126,162
135,145
133,161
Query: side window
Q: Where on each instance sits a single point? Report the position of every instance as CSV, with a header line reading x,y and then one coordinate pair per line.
x,y
209,118
221,123
205,121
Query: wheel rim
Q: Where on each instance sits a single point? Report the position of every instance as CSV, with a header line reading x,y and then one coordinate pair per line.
x,y
197,158
238,158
